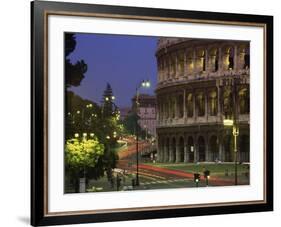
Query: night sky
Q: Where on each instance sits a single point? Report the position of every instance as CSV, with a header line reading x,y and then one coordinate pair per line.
x,y
121,60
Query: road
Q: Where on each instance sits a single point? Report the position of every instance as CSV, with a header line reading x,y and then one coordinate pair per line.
x,y
150,173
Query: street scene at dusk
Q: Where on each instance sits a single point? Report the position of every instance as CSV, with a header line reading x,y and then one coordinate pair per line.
x,y
155,113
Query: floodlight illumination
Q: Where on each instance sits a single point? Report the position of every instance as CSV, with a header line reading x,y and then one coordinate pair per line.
x,y
228,122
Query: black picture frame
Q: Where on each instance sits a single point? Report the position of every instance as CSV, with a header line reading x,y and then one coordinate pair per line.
x,y
39,12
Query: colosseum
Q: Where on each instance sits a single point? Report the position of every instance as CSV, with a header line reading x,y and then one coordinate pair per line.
x,y
200,84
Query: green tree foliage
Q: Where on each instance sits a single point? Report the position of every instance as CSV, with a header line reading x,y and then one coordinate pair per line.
x,y
84,153
85,116
83,158
81,116
74,73
112,129
130,125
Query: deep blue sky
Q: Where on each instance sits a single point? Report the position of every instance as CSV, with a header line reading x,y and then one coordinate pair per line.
x,y
121,60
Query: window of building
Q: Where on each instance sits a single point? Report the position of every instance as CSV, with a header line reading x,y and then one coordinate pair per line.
x,y
181,63
214,60
230,59
201,62
227,103
180,106
189,105
200,104
190,63
246,61
203,58
244,101
213,104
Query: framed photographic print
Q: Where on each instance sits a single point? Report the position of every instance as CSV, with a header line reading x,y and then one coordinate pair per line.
x,y
141,113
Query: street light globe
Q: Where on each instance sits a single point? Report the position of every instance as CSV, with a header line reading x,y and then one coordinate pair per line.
x,y
113,97
78,112
106,98
84,134
147,84
76,135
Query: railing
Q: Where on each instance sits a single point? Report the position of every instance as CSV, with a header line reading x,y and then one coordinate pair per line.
x,y
197,120
203,76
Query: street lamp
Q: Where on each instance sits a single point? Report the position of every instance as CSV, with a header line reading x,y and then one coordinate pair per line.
x,y
196,178
207,176
143,84
235,130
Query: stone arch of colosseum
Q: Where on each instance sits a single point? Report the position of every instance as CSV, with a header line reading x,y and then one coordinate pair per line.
x,y
195,93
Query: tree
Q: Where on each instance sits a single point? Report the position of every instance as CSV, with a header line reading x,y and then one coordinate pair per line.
x,y
83,155
111,128
81,116
74,73
108,106
85,116
130,125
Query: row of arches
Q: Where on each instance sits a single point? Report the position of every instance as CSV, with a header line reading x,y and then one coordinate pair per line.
x,y
203,59
200,103
189,149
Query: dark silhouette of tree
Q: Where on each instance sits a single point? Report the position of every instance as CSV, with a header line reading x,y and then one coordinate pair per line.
x,y
130,125
108,106
74,73
85,116
109,112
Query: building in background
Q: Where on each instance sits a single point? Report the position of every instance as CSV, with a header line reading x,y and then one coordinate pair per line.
x,y
198,81
146,112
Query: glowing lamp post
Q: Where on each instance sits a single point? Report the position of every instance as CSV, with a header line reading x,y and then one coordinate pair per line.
x,y
235,133
196,178
207,176
143,84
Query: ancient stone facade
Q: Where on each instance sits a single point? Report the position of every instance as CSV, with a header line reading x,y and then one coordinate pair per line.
x,y
201,83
